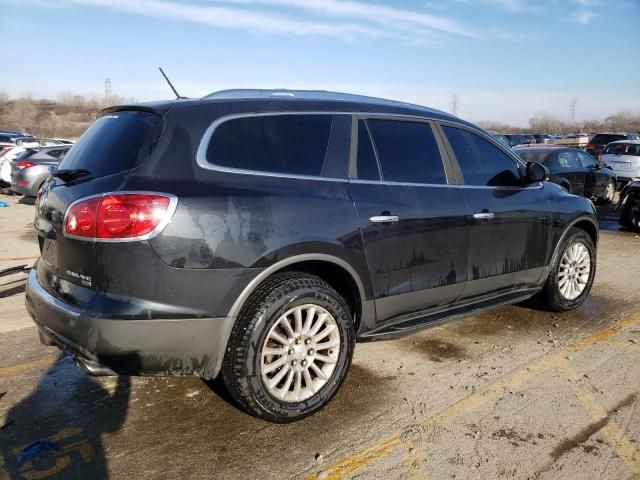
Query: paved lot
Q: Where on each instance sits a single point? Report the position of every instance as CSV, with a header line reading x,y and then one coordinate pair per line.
x,y
514,393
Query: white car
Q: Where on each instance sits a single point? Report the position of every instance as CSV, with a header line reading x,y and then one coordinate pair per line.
x,y
623,157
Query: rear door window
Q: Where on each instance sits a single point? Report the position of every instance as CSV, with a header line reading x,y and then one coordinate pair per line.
x,y
481,162
287,144
115,142
407,151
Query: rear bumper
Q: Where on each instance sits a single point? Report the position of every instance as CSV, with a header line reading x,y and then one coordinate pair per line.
x,y
130,347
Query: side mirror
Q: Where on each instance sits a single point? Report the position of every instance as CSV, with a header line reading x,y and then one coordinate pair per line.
x,y
536,173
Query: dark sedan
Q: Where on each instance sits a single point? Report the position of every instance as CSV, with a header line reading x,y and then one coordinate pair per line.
x,y
576,171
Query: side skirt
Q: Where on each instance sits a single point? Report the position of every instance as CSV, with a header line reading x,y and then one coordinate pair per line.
x,y
406,325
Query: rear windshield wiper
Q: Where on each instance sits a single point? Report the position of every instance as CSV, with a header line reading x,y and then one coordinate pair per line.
x,y
70,174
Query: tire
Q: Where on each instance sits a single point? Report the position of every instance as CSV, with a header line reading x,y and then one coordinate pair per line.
x,y
555,293
609,193
261,319
630,215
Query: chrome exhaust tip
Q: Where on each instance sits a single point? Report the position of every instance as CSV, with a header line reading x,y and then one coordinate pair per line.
x,y
93,368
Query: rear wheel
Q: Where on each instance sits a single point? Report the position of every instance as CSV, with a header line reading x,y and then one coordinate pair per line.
x,y
630,215
573,271
290,349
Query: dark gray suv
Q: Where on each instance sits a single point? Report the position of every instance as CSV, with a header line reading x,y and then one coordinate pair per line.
x,y
261,233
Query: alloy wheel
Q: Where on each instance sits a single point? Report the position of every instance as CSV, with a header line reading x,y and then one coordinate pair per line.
x,y
300,353
574,271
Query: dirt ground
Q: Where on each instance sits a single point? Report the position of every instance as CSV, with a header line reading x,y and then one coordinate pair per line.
x,y
513,393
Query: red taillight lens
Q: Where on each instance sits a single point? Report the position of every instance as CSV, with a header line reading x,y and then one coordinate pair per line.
x,y
591,146
118,216
23,164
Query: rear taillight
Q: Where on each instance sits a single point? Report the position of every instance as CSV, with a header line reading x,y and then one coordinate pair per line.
x,y
591,146
23,164
119,216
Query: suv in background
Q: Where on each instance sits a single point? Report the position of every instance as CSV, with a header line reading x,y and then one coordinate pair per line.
x,y
261,233
32,167
596,144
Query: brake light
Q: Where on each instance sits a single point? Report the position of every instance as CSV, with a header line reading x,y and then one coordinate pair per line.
x,y
591,146
23,164
132,216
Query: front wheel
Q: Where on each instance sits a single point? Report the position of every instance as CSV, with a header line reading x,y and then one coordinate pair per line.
x,y
572,272
290,349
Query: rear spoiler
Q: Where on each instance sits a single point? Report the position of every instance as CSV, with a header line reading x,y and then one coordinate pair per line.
x,y
158,108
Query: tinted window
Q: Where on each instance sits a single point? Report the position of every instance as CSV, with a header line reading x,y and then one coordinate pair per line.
x,y
568,161
586,160
292,144
623,149
545,158
115,142
407,151
54,153
481,162
367,165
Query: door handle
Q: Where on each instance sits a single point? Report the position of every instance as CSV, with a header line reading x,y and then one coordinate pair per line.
x,y
384,219
483,216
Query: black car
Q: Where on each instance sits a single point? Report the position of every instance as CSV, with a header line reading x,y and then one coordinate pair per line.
x,y
574,170
261,233
598,142
629,204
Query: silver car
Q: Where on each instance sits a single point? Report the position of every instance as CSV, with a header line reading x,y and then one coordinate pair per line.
x,y
32,167
623,157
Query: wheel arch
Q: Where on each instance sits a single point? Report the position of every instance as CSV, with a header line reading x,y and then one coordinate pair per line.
x,y
334,270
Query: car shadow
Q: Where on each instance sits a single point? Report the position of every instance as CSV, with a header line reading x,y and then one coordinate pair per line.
x,y
27,201
66,416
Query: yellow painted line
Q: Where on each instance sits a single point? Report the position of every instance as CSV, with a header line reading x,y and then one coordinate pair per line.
x,y
22,367
614,435
359,459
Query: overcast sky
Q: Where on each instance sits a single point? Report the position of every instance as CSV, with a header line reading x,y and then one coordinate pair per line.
x,y
505,59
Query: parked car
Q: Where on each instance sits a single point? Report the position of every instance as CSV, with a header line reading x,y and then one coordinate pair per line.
x,y
574,170
519,139
598,142
7,154
624,158
5,171
260,234
33,166
542,138
501,139
9,136
630,204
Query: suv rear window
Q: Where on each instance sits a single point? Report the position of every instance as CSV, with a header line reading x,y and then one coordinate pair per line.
x,y
115,142
289,144
623,149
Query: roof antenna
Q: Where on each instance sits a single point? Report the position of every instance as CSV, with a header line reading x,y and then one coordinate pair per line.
x,y
170,84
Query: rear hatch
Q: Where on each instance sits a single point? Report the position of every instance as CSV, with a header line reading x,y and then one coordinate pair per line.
x,y
98,163
622,157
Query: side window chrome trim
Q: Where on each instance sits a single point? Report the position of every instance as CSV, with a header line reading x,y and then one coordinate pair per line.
x,y
445,185
201,154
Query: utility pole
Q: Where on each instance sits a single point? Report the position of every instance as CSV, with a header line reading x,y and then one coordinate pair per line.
x,y
454,104
573,104
107,91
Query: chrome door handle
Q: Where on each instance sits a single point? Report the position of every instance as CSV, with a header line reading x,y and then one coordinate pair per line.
x,y
483,216
384,219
